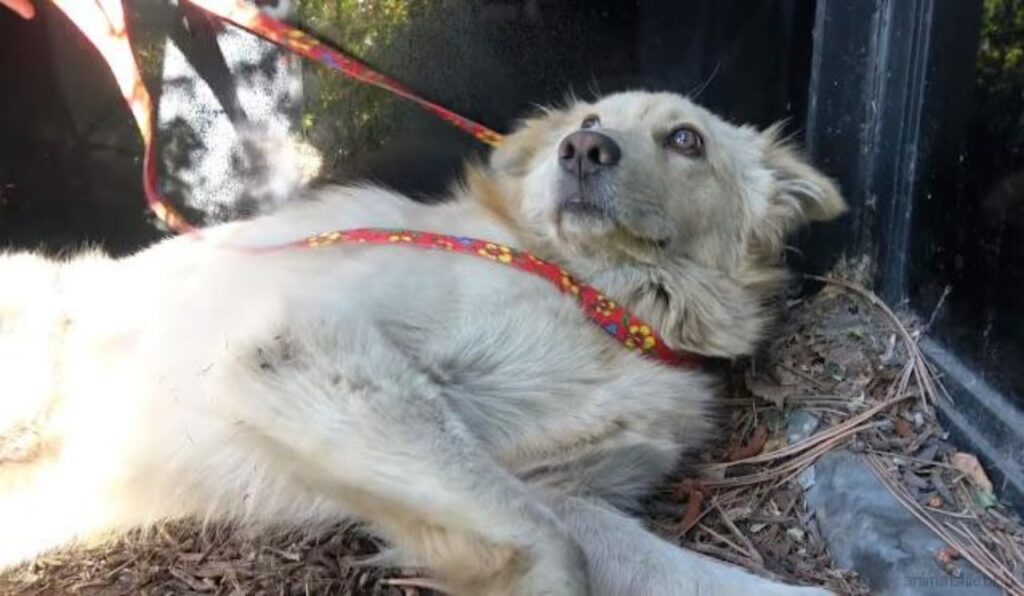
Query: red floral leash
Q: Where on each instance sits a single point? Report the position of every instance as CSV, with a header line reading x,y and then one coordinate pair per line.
x,y
103,23
248,17
618,322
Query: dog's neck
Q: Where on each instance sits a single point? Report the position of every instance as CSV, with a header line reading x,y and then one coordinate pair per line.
x,y
694,308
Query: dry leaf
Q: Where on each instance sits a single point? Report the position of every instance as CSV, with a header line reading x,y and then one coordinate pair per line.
x,y
946,558
753,447
771,392
775,443
986,498
785,377
969,465
694,504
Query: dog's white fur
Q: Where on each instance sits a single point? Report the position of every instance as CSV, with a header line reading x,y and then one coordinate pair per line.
x,y
467,411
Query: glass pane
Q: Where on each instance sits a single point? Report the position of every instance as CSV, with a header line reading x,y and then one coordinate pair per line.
x,y
968,240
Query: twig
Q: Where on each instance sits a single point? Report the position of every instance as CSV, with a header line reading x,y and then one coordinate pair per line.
x,y
805,376
840,429
931,389
724,540
723,554
938,307
110,574
751,549
790,466
417,582
910,458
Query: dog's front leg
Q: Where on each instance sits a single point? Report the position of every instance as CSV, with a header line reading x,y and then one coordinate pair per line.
x,y
367,431
623,559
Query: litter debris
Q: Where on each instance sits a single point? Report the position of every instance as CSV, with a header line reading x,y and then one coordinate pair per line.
x,y
946,558
969,465
848,361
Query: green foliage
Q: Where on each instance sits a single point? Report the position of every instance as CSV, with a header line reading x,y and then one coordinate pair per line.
x,y
340,115
1001,47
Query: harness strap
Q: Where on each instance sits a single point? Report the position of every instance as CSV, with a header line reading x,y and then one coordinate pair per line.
x,y
631,331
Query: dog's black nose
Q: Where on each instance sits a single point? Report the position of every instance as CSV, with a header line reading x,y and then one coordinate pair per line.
x,y
586,151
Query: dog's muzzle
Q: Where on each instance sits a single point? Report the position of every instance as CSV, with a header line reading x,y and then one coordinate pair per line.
x,y
587,159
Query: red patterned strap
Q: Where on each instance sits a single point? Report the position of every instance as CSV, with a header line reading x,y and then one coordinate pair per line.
x,y
627,328
252,20
103,23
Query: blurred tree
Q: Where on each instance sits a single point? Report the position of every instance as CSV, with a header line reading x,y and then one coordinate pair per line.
x,y
340,115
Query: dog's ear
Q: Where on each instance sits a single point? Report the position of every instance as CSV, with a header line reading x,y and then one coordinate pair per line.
x,y
530,136
801,193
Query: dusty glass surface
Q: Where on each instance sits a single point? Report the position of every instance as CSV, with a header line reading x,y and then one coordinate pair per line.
x,y
967,240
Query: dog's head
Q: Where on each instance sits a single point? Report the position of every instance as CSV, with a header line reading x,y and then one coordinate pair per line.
x,y
654,196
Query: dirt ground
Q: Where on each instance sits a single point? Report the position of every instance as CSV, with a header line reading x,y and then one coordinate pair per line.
x,y
840,359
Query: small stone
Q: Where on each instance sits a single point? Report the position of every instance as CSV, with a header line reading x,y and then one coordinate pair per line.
x,y
916,481
870,532
806,477
929,452
800,425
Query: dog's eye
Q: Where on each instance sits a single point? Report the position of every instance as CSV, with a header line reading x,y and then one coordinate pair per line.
x,y
591,121
685,140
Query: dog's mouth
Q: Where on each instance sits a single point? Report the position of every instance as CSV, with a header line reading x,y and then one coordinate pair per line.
x,y
584,201
583,212
580,213
581,204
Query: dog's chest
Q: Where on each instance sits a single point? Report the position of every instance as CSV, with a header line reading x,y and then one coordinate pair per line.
x,y
552,395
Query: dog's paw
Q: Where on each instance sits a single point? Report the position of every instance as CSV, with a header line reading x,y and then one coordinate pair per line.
x,y
552,566
559,569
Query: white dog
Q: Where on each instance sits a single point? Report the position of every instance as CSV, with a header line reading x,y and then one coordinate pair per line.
x,y
468,411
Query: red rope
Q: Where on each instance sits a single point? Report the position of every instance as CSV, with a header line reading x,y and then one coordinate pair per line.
x,y
248,17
